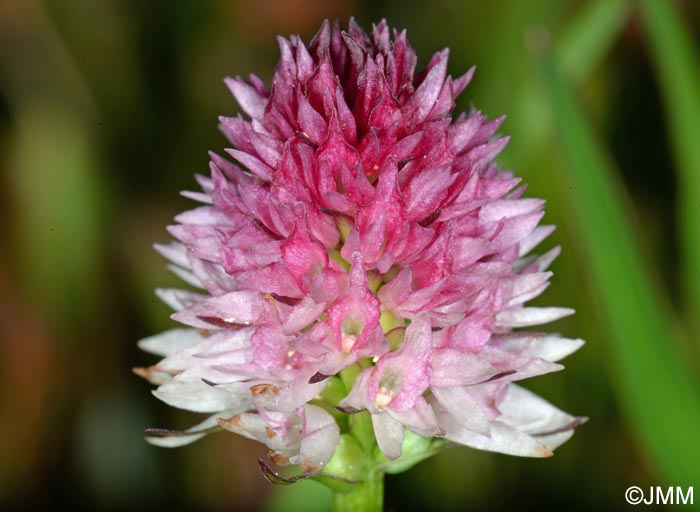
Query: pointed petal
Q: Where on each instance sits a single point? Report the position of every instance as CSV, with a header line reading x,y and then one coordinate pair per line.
x,y
526,317
504,439
532,414
173,439
169,342
247,97
179,299
464,408
201,397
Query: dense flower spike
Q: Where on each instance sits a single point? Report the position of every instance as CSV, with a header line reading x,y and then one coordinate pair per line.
x,y
364,229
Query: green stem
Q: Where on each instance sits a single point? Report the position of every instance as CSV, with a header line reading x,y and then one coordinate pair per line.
x,y
367,496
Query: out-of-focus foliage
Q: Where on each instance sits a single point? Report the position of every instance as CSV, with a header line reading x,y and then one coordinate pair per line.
x,y
107,110
634,310
676,58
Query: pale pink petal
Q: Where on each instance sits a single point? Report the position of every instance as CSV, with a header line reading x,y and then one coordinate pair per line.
x,y
420,419
319,437
525,317
198,396
389,433
464,409
234,308
179,299
170,342
401,377
533,415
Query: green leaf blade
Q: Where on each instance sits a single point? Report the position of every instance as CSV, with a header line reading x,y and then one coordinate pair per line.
x,y
678,72
656,387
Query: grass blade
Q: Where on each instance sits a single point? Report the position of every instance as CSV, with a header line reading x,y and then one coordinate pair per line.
x,y
589,35
655,385
678,70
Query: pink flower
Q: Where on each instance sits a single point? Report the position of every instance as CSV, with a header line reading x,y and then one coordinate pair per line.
x,y
360,227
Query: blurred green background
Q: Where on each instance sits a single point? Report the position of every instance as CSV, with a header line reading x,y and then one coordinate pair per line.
x,y
107,109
